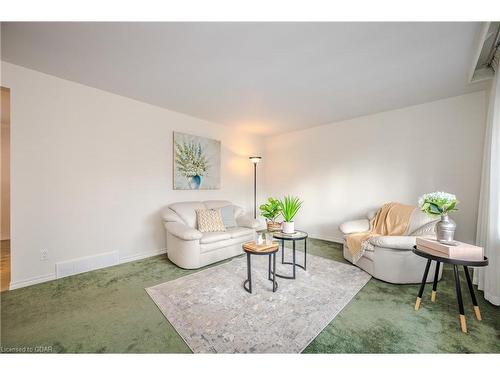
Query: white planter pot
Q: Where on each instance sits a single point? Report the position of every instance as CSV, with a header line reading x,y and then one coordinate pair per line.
x,y
288,227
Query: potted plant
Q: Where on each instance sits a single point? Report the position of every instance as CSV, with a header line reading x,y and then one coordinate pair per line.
x,y
289,207
271,210
441,204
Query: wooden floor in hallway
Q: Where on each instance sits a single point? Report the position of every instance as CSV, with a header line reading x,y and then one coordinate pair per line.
x,y
5,265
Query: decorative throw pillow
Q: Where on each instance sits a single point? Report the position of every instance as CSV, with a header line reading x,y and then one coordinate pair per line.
x,y
227,214
209,220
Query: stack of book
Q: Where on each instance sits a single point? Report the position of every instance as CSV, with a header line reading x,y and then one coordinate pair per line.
x,y
458,250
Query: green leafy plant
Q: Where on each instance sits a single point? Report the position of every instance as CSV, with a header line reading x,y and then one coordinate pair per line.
x,y
289,207
438,203
190,159
271,209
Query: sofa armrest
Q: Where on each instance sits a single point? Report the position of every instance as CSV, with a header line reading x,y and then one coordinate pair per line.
x,y
167,214
247,221
355,226
182,231
394,242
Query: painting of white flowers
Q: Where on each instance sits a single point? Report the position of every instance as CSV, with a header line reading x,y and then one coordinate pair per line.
x,y
196,162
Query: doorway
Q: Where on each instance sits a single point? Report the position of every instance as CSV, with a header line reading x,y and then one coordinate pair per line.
x,y
5,190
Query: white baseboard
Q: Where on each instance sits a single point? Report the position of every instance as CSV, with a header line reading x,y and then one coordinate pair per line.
x,y
52,276
32,281
140,256
132,258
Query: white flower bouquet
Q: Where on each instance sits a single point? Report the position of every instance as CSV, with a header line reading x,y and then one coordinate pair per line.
x,y
190,159
438,203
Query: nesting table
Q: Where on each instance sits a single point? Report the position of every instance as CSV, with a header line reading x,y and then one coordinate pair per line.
x,y
297,236
442,258
251,248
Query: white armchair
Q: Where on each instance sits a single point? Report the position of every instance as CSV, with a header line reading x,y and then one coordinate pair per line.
x,y
189,248
390,258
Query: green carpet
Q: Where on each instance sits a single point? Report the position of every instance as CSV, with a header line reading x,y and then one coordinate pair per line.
x,y
108,310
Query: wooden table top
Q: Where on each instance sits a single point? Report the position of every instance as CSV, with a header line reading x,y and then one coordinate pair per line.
x,y
252,247
441,257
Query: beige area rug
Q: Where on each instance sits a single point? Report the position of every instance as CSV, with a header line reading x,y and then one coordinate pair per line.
x,y
214,314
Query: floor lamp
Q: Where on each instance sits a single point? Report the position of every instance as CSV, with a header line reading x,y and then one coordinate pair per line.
x,y
255,160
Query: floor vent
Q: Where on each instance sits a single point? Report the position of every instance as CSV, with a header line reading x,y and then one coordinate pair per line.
x,y
75,266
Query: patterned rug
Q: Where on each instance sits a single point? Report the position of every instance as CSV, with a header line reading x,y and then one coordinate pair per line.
x,y
214,314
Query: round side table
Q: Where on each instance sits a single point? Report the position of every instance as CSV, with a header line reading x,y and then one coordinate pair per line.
x,y
297,236
251,248
442,258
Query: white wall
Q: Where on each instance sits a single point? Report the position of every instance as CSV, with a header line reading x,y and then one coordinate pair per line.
x,y
343,169
91,170
5,166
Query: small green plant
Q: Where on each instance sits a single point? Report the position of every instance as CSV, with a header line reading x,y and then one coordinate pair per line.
x,y
289,207
438,203
271,209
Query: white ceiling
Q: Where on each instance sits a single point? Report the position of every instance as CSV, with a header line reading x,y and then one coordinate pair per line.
x,y
265,77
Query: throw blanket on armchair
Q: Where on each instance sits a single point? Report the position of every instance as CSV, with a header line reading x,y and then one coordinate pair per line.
x,y
391,219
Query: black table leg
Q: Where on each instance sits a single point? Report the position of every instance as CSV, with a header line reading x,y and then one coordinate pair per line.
x,y
424,279
463,323
269,268
472,295
305,252
435,284
275,284
249,275
293,263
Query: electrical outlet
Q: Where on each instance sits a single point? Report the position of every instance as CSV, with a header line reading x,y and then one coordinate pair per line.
x,y
44,254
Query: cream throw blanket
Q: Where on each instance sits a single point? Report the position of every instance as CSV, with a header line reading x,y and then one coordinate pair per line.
x,y
392,219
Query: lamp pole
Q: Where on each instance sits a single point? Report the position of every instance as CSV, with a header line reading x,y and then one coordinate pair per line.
x,y
255,190
255,160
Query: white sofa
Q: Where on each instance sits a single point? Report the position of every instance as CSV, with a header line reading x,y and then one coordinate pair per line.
x,y
389,258
189,248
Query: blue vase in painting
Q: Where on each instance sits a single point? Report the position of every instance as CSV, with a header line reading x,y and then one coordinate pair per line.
x,y
194,182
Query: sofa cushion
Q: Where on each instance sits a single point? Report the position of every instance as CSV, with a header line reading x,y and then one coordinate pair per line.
x,y
394,242
427,230
237,210
247,221
215,246
419,219
210,237
187,211
209,220
239,232
227,213
216,204
355,226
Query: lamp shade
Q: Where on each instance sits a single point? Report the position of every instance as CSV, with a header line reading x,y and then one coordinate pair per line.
x,y
255,159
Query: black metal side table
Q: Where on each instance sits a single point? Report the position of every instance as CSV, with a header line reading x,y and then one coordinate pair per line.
x,y
442,258
251,248
297,236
